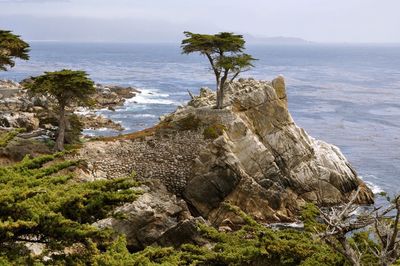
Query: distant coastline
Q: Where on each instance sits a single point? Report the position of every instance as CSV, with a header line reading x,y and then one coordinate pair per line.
x,y
252,41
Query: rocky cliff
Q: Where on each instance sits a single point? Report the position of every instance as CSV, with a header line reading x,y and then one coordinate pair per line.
x,y
250,154
269,166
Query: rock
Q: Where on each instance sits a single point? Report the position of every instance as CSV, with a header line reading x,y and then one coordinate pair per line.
x,y
211,188
279,85
19,120
185,232
206,98
9,85
147,218
126,93
113,96
106,98
20,102
278,164
261,162
93,121
18,148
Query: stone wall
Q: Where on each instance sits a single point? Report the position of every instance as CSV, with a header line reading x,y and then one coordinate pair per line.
x,y
168,159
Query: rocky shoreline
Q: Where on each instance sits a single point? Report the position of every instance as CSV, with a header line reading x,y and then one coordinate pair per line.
x,y
19,109
199,160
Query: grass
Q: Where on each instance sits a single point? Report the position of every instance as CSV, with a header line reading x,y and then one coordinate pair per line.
x,y
6,137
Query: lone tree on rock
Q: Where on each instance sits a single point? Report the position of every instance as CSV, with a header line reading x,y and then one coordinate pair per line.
x,y
225,53
11,47
69,88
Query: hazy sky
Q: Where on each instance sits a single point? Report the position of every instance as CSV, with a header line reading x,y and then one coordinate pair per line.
x,y
164,20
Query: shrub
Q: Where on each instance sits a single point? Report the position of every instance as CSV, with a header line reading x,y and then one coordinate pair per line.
x,y
190,122
213,131
40,205
254,244
6,137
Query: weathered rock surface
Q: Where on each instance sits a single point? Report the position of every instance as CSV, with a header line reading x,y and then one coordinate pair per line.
x,y
94,121
250,154
149,217
270,166
19,120
113,96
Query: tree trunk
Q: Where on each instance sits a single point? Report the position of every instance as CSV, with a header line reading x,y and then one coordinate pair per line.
x,y
220,98
61,130
220,91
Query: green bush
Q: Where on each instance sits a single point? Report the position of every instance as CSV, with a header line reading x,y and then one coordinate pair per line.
x,y
190,122
41,203
8,136
254,244
213,131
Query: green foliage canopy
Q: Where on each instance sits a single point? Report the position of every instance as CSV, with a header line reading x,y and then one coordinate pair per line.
x,y
11,47
69,88
225,53
66,86
41,203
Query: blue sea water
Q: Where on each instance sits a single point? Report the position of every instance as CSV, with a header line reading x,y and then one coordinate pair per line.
x,y
347,95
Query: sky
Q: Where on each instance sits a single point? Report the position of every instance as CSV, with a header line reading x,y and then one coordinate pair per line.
x,y
332,21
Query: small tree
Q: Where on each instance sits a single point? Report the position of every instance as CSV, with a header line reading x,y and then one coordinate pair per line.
x,y
225,53
68,88
11,47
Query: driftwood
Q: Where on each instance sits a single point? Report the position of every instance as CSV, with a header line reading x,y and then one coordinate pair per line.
x,y
34,134
341,222
190,94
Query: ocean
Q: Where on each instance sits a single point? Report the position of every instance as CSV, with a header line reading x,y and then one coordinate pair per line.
x,y
347,95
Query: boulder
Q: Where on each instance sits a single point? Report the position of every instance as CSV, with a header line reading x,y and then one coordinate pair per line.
x,y
94,121
19,120
113,96
147,218
125,92
280,87
185,232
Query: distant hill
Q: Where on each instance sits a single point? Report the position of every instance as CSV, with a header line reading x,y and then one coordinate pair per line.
x,y
275,40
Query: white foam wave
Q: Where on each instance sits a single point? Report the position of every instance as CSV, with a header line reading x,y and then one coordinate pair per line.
x,y
83,111
143,115
152,97
102,129
150,100
374,188
88,131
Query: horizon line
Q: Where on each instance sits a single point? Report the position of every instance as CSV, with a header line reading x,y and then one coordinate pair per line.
x,y
247,42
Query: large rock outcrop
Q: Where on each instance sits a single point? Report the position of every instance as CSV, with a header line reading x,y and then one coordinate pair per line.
x,y
262,161
250,154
